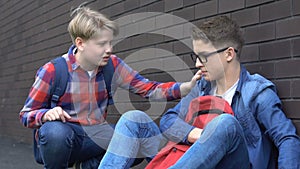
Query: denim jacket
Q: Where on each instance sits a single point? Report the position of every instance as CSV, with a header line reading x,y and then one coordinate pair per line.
x,y
258,109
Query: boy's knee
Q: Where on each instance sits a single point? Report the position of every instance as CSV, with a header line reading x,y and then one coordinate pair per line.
x,y
228,119
223,126
54,130
231,125
136,116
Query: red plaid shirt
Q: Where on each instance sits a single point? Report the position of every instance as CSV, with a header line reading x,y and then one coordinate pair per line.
x,y
86,96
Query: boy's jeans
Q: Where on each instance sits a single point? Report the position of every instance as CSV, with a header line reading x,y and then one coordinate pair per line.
x,y
221,144
65,143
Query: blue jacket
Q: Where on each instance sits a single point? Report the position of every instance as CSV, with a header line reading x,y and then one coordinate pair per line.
x,y
258,109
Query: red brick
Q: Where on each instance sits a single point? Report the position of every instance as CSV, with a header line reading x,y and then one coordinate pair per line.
x,y
250,53
246,16
283,88
262,68
146,2
124,44
180,48
117,8
291,107
6,7
296,9
206,8
166,46
130,5
288,27
295,89
173,4
257,2
191,2
187,13
231,5
18,10
296,49
157,7
287,68
297,125
260,33
104,3
275,50
154,39
277,10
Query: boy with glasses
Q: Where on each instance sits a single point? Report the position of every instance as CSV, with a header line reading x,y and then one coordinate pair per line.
x,y
245,140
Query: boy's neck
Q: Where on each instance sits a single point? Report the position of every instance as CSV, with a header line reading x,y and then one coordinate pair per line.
x,y
83,64
231,76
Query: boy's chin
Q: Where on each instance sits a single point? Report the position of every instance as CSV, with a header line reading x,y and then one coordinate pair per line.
x,y
102,63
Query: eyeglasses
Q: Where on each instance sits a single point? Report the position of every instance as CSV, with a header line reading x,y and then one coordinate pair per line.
x,y
203,56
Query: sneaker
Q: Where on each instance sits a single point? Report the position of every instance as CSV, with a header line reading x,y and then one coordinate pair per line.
x,y
77,165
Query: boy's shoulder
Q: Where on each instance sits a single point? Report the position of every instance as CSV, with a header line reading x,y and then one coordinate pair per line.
x,y
257,81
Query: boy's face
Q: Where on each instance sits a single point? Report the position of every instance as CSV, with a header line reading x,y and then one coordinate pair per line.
x,y
214,68
96,51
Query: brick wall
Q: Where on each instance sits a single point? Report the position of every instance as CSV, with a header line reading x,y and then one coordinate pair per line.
x,y
33,32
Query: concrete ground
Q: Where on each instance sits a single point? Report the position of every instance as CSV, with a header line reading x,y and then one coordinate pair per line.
x,y
14,155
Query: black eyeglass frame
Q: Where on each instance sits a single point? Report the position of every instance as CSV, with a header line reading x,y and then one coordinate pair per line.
x,y
205,56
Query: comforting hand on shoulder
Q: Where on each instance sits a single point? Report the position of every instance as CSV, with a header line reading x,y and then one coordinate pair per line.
x,y
186,87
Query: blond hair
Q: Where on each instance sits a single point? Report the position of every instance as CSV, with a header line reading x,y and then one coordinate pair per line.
x,y
86,23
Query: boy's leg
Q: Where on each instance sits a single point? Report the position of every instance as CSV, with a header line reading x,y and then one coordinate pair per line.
x,y
65,143
94,146
55,140
221,145
135,133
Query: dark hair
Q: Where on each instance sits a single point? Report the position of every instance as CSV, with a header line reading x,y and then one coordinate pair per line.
x,y
221,31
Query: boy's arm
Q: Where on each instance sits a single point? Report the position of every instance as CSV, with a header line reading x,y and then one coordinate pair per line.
x,y
37,102
131,80
172,123
186,87
279,128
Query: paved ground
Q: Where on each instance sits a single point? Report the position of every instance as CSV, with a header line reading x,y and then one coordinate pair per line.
x,y
14,155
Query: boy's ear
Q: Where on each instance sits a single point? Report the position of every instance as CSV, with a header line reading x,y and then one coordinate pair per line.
x,y
230,54
79,43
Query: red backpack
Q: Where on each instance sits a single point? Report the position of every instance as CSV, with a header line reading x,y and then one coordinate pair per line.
x,y
201,111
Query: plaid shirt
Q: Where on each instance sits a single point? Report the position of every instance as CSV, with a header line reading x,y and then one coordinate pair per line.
x,y
86,97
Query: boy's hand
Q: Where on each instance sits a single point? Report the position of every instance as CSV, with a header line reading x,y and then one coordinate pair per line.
x,y
57,113
196,77
194,135
186,87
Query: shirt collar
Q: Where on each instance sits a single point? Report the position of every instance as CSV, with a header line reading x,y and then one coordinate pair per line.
x,y
243,78
73,62
206,86
72,59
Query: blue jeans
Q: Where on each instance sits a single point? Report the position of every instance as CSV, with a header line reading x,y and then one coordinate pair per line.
x,y
221,145
65,143
136,136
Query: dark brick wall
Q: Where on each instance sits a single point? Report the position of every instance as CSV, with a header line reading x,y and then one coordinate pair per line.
x,y
34,31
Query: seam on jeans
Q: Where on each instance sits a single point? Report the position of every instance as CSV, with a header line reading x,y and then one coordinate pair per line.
x,y
130,156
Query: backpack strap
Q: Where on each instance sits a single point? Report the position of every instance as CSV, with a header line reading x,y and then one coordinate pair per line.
x,y
60,80
108,72
56,91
